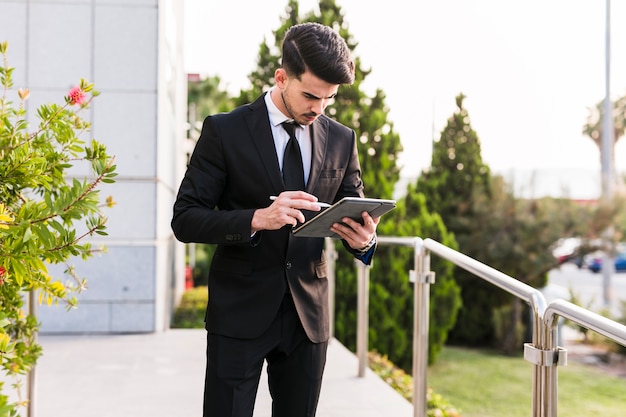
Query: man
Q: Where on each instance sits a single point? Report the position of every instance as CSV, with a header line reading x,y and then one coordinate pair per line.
x,y
268,291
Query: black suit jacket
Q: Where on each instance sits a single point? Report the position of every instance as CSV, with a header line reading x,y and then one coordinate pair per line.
x,y
233,171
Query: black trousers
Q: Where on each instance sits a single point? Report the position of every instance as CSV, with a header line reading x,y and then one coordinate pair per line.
x,y
294,367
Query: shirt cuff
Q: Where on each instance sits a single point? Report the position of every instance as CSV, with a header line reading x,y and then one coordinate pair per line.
x,y
365,255
367,247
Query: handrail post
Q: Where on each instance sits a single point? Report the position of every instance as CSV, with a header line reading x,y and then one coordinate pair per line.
x,y
362,323
331,260
550,373
542,392
31,382
422,277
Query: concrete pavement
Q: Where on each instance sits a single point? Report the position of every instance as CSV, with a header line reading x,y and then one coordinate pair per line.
x,y
162,375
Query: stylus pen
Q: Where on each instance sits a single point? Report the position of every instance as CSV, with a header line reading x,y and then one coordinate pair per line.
x,y
319,203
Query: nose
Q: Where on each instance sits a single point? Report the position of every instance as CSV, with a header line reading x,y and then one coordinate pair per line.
x,y
320,105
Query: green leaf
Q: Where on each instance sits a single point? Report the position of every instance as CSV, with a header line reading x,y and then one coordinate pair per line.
x,y
19,271
28,234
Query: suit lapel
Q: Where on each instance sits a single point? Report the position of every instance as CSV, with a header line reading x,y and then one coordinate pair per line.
x,y
319,136
258,123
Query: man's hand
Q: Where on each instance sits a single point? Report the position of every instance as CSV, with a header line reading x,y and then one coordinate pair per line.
x,y
284,210
356,234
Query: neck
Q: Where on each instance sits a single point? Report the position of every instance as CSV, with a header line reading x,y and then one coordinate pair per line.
x,y
279,100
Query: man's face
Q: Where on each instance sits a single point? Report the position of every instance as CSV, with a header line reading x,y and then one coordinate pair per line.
x,y
304,99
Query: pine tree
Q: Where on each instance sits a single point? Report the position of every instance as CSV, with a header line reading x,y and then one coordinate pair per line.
x,y
391,301
456,178
457,172
378,143
490,224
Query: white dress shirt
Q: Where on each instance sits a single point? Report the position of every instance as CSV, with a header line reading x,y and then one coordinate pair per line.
x,y
281,137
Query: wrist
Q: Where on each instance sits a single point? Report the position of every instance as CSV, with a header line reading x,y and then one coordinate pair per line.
x,y
369,245
255,225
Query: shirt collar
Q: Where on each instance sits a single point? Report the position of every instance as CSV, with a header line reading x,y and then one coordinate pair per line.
x,y
276,116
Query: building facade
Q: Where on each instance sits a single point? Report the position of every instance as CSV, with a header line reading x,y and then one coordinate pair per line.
x,y
132,51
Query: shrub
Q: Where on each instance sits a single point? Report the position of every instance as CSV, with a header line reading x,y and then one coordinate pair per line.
x,y
190,313
402,382
44,216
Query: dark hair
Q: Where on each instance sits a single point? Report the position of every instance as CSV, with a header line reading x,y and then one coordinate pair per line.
x,y
319,49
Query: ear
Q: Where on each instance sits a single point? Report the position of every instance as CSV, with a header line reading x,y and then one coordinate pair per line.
x,y
281,78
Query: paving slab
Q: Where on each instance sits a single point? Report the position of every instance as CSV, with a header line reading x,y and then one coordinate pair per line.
x,y
162,375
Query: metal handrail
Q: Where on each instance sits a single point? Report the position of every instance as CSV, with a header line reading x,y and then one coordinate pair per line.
x,y
362,315
523,291
421,278
582,317
532,296
585,318
331,259
543,351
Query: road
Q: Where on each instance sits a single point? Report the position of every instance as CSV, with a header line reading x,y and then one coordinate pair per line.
x,y
588,288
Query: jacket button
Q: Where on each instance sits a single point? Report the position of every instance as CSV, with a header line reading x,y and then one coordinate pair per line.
x,y
288,265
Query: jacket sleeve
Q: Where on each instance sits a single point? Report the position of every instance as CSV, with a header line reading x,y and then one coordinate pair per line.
x,y
195,216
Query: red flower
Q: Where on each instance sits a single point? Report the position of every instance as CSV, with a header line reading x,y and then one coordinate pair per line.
x,y
76,96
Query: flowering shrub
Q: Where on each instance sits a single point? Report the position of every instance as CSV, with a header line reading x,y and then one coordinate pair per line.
x,y
44,216
436,405
77,95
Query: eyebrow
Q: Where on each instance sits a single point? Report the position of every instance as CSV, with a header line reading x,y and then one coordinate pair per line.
x,y
314,97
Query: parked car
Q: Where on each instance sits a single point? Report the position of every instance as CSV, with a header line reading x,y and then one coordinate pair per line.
x,y
595,265
575,250
565,249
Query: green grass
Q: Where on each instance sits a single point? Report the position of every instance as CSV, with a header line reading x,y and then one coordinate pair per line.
x,y
479,383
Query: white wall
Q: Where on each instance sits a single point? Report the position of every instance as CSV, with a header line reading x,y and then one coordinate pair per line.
x,y
132,51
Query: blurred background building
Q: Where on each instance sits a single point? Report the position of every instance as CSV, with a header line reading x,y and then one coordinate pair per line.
x,y
132,51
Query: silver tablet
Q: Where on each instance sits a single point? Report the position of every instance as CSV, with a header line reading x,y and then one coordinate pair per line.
x,y
352,207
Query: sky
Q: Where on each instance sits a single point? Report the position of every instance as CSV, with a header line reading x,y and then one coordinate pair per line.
x,y
529,70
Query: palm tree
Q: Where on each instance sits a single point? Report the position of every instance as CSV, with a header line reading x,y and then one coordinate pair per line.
x,y
593,128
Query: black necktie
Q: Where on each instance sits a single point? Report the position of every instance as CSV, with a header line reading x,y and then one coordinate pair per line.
x,y
293,173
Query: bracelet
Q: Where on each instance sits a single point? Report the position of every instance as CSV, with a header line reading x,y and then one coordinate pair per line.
x,y
367,247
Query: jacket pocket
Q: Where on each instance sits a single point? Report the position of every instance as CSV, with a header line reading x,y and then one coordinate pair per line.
x,y
331,173
321,269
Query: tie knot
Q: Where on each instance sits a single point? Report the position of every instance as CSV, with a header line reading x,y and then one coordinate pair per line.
x,y
290,127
